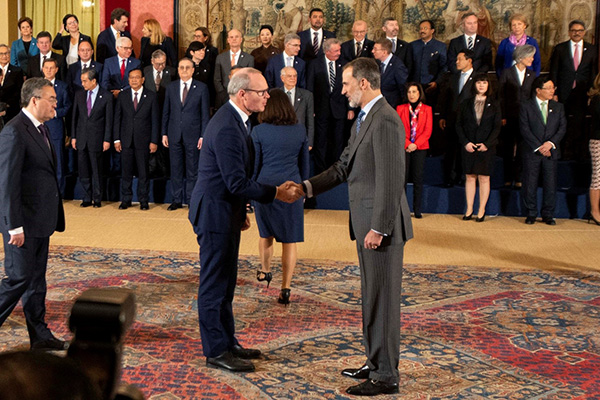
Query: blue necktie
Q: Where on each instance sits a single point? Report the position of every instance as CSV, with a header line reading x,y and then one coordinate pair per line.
x,y
359,120
248,125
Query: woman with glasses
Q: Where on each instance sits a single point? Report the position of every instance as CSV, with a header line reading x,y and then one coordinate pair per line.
x,y
202,35
26,46
69,44
281,154
154,39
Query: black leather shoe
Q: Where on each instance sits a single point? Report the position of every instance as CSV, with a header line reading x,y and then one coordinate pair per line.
x,y
357,373
124,205
418,215
97,204
530,220
467,217
85,204
240,352
549,221
144,205
174,206
230,362
51,344
372,388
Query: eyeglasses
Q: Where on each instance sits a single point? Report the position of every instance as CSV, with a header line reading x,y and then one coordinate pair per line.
x,y
577,30
126,48
51,100
552,88
259,93
5,53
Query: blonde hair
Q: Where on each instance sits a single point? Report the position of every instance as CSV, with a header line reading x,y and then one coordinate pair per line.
x,y
518,17
156,33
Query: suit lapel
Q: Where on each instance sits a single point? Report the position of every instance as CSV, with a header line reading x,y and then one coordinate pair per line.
x,y
364,127
39,139
99,99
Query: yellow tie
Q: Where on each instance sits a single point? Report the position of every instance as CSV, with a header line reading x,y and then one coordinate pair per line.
x,y
232,59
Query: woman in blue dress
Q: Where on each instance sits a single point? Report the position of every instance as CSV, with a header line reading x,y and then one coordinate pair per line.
x,y
504,59
281,154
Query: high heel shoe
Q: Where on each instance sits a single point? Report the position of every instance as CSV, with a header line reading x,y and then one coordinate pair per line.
x,y
267,277
284,297
480,219
591,218
467,217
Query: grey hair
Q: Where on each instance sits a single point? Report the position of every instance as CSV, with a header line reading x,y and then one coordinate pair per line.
x,y
120,41
240,80
158,53
4,45
285,69
327,43
33,88
522,52
290,36
365,68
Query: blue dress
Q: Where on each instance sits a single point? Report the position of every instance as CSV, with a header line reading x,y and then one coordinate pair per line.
x,y
281,155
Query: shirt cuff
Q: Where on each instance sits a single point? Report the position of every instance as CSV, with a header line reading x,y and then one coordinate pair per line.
x,y
117,141
553,146
379,233
16,231
307,189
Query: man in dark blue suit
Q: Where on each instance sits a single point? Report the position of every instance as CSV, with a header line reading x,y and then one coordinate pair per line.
x,y
185,116
393,73
289,58
311,40
86,52
57,124
115,75
359,46
107,39
429,60
400,48
324,80
136,134
91,134
481,46
30,210
218,215
543,125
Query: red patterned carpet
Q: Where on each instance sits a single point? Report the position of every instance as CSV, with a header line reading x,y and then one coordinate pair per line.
x,y
468,333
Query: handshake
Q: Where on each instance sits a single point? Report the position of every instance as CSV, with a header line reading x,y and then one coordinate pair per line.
x,y
289,192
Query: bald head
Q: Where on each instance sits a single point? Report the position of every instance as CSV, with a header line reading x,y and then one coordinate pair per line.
x,y
359,30
234,40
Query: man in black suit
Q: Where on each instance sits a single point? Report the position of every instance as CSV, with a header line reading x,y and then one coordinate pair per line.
x,y
91,134
481,46
400,48
302,100
311,39
107,39
393,73
573,67
543,125
31,210
359,46
86,53
11,81
34,66
159,75
136,135
456,88
324,80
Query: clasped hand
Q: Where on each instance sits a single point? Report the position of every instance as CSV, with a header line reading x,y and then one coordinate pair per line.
x,y
289,192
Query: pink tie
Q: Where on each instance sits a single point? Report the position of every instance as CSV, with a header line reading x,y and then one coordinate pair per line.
x,y
576,60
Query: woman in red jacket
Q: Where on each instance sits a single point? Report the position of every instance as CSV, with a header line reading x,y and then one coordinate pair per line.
x,y
417,119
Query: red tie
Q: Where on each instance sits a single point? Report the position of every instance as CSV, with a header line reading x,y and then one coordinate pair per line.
x,y
123,70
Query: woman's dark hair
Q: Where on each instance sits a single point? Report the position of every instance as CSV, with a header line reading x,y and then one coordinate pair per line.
x,y
25,19
206,33
66,18
279,110
194,46
268,27
419,88
481,77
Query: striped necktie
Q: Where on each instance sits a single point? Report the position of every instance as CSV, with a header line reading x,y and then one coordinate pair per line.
x,y
331,76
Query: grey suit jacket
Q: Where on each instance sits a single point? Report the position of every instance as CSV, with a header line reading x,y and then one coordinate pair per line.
x,y
223,68
373,164
305,111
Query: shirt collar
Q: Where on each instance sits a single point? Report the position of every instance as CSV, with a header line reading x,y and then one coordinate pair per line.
x,y
139,91
33,119
114,31
387,60
242,114
187,82
541,101
370,105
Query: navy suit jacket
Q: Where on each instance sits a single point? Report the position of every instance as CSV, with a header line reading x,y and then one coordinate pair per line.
x,y
429,60
225,168
111,73
393,82
10,91
349,50
106,45
317,81
307,52
137,128
187,122
74,75
57,125
92,131
482,62
533,130
274,66
34,70
562,70
450,98
404,52
29,193
512,92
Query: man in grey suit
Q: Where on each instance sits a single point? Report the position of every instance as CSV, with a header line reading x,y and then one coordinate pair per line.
x,y
30,210
302,100
373,165
234,57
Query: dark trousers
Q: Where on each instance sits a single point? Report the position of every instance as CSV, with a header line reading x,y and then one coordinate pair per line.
x,y
513,160
25,269
415,162
59,150
381,286
535,165
574,145
184,161
130,159
329,141
90,174
451,162
218,274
